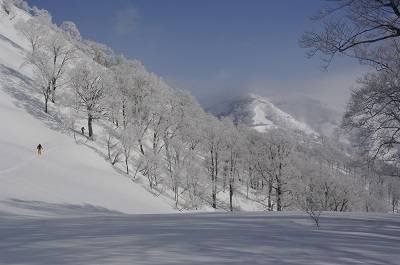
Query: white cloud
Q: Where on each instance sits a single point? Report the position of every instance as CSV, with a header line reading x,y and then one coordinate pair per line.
x,y
332,88
201,87
126,20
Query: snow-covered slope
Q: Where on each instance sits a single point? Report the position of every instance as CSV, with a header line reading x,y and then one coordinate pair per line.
x,y
69,173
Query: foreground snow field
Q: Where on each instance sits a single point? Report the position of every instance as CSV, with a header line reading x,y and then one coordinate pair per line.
x,y
89,235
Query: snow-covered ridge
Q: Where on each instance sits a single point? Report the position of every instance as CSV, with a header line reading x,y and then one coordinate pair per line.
x,y
260,113
268,115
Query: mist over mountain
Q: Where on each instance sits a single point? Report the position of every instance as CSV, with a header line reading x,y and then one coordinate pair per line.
x,y
317,115
302,114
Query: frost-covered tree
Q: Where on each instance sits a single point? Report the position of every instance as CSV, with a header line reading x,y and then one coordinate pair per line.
x,y
368,30
127,141
124,78
7,6
233,142
51,62
310,193
161,112
42,75
36,28
110,136
60,54
21,4
183,141
213,142
250,158
92,84
100,53
263,177
373,113
394,194
135,89
278,149
71,32
374,196
181,138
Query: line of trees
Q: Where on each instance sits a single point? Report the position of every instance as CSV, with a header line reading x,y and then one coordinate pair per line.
x,y
164,136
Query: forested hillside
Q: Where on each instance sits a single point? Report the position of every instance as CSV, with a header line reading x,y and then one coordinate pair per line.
x,y
161,137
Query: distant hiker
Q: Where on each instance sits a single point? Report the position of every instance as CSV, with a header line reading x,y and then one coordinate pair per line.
x,y
39,149
83,130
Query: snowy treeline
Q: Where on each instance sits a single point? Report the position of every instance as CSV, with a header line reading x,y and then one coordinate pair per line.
x,y
162,135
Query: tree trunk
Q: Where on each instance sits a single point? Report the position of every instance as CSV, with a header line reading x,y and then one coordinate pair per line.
x,y
214,173
90,127
53,89
124,120
109,149
53,95
214,195
127,165
154,142
279,196
231,182
279,189
141,147
231,195
46,100
176,195
270,208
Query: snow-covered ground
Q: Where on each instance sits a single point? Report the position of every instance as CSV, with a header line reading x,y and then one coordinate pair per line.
x,y
85,235
70,206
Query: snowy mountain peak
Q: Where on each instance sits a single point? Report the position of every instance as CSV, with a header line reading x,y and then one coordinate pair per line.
x,y
260,113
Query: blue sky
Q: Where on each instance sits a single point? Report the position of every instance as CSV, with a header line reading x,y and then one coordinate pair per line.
x,y
214,48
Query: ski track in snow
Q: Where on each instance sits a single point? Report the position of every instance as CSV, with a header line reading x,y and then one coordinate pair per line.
x,y
27,160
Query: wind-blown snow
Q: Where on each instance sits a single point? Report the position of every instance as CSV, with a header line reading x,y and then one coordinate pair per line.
x,y
69,206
